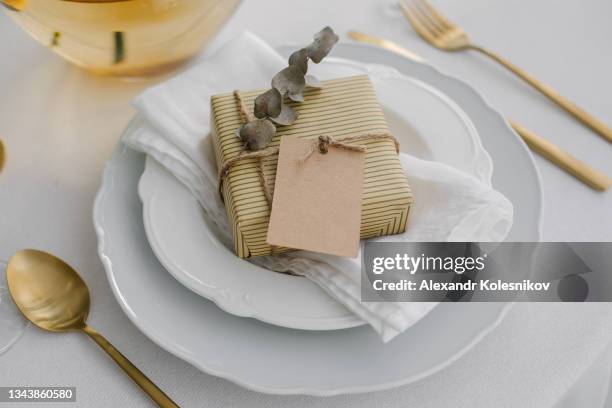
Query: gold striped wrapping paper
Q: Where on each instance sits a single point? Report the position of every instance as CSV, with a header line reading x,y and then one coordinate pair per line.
x,y
343,107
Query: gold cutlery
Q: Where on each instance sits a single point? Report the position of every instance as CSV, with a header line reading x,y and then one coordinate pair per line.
x,y
543,147
384,43
438,31
566,161
53,296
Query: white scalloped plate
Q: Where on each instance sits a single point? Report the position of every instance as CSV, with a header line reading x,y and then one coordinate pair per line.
x,y
277,360
427,123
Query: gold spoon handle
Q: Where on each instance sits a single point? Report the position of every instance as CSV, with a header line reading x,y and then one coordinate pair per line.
x,y
564,160
579,113
130,369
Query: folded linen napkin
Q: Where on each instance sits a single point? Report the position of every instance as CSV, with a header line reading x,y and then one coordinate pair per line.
x,y
173,120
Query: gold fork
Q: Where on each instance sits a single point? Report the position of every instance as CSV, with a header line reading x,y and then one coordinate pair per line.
x,y
543,147
438,31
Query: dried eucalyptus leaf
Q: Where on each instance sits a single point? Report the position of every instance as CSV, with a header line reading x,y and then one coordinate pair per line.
x,y
323,42
268,104
312,81
299,59
287,117
289,81
257,134
297,97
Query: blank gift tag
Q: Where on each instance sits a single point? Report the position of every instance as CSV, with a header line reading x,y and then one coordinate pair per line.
x,y
317,200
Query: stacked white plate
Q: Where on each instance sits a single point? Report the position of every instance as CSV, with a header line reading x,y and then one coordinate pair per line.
x,y
281,334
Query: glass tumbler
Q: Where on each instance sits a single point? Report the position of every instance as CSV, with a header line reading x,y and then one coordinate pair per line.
x,y
122,37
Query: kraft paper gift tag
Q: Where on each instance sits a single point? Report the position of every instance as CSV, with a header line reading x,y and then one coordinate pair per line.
x,y
317,198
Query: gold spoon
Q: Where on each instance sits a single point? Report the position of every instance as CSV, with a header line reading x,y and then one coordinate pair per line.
x,y
53,296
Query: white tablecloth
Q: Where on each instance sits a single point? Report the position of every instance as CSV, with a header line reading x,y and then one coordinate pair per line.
x,y
60,125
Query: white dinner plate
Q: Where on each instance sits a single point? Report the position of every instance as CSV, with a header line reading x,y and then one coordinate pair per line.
x,y
428,125
272,359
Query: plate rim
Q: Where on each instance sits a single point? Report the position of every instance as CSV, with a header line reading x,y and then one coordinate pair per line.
x,y
177,351
183,354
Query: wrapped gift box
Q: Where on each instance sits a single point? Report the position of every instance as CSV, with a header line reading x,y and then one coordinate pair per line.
x,y
342,107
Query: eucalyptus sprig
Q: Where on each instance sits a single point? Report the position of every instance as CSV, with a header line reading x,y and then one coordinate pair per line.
x,y
270,107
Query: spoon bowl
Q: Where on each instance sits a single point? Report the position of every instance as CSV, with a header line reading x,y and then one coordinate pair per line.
x,y
48,291
52,295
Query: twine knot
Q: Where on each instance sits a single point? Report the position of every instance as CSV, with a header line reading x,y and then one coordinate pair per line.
x,y
324,144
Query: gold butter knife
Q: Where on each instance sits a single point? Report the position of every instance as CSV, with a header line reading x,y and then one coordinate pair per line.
x,y
543,147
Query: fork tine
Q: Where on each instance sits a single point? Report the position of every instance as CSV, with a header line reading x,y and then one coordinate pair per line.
x,y
435,14
415,20
426,18
425,12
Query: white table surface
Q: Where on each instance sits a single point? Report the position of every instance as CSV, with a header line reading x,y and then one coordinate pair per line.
x,y
60,125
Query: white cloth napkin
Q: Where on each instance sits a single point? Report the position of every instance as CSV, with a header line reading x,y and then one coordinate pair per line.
x,y
174,118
